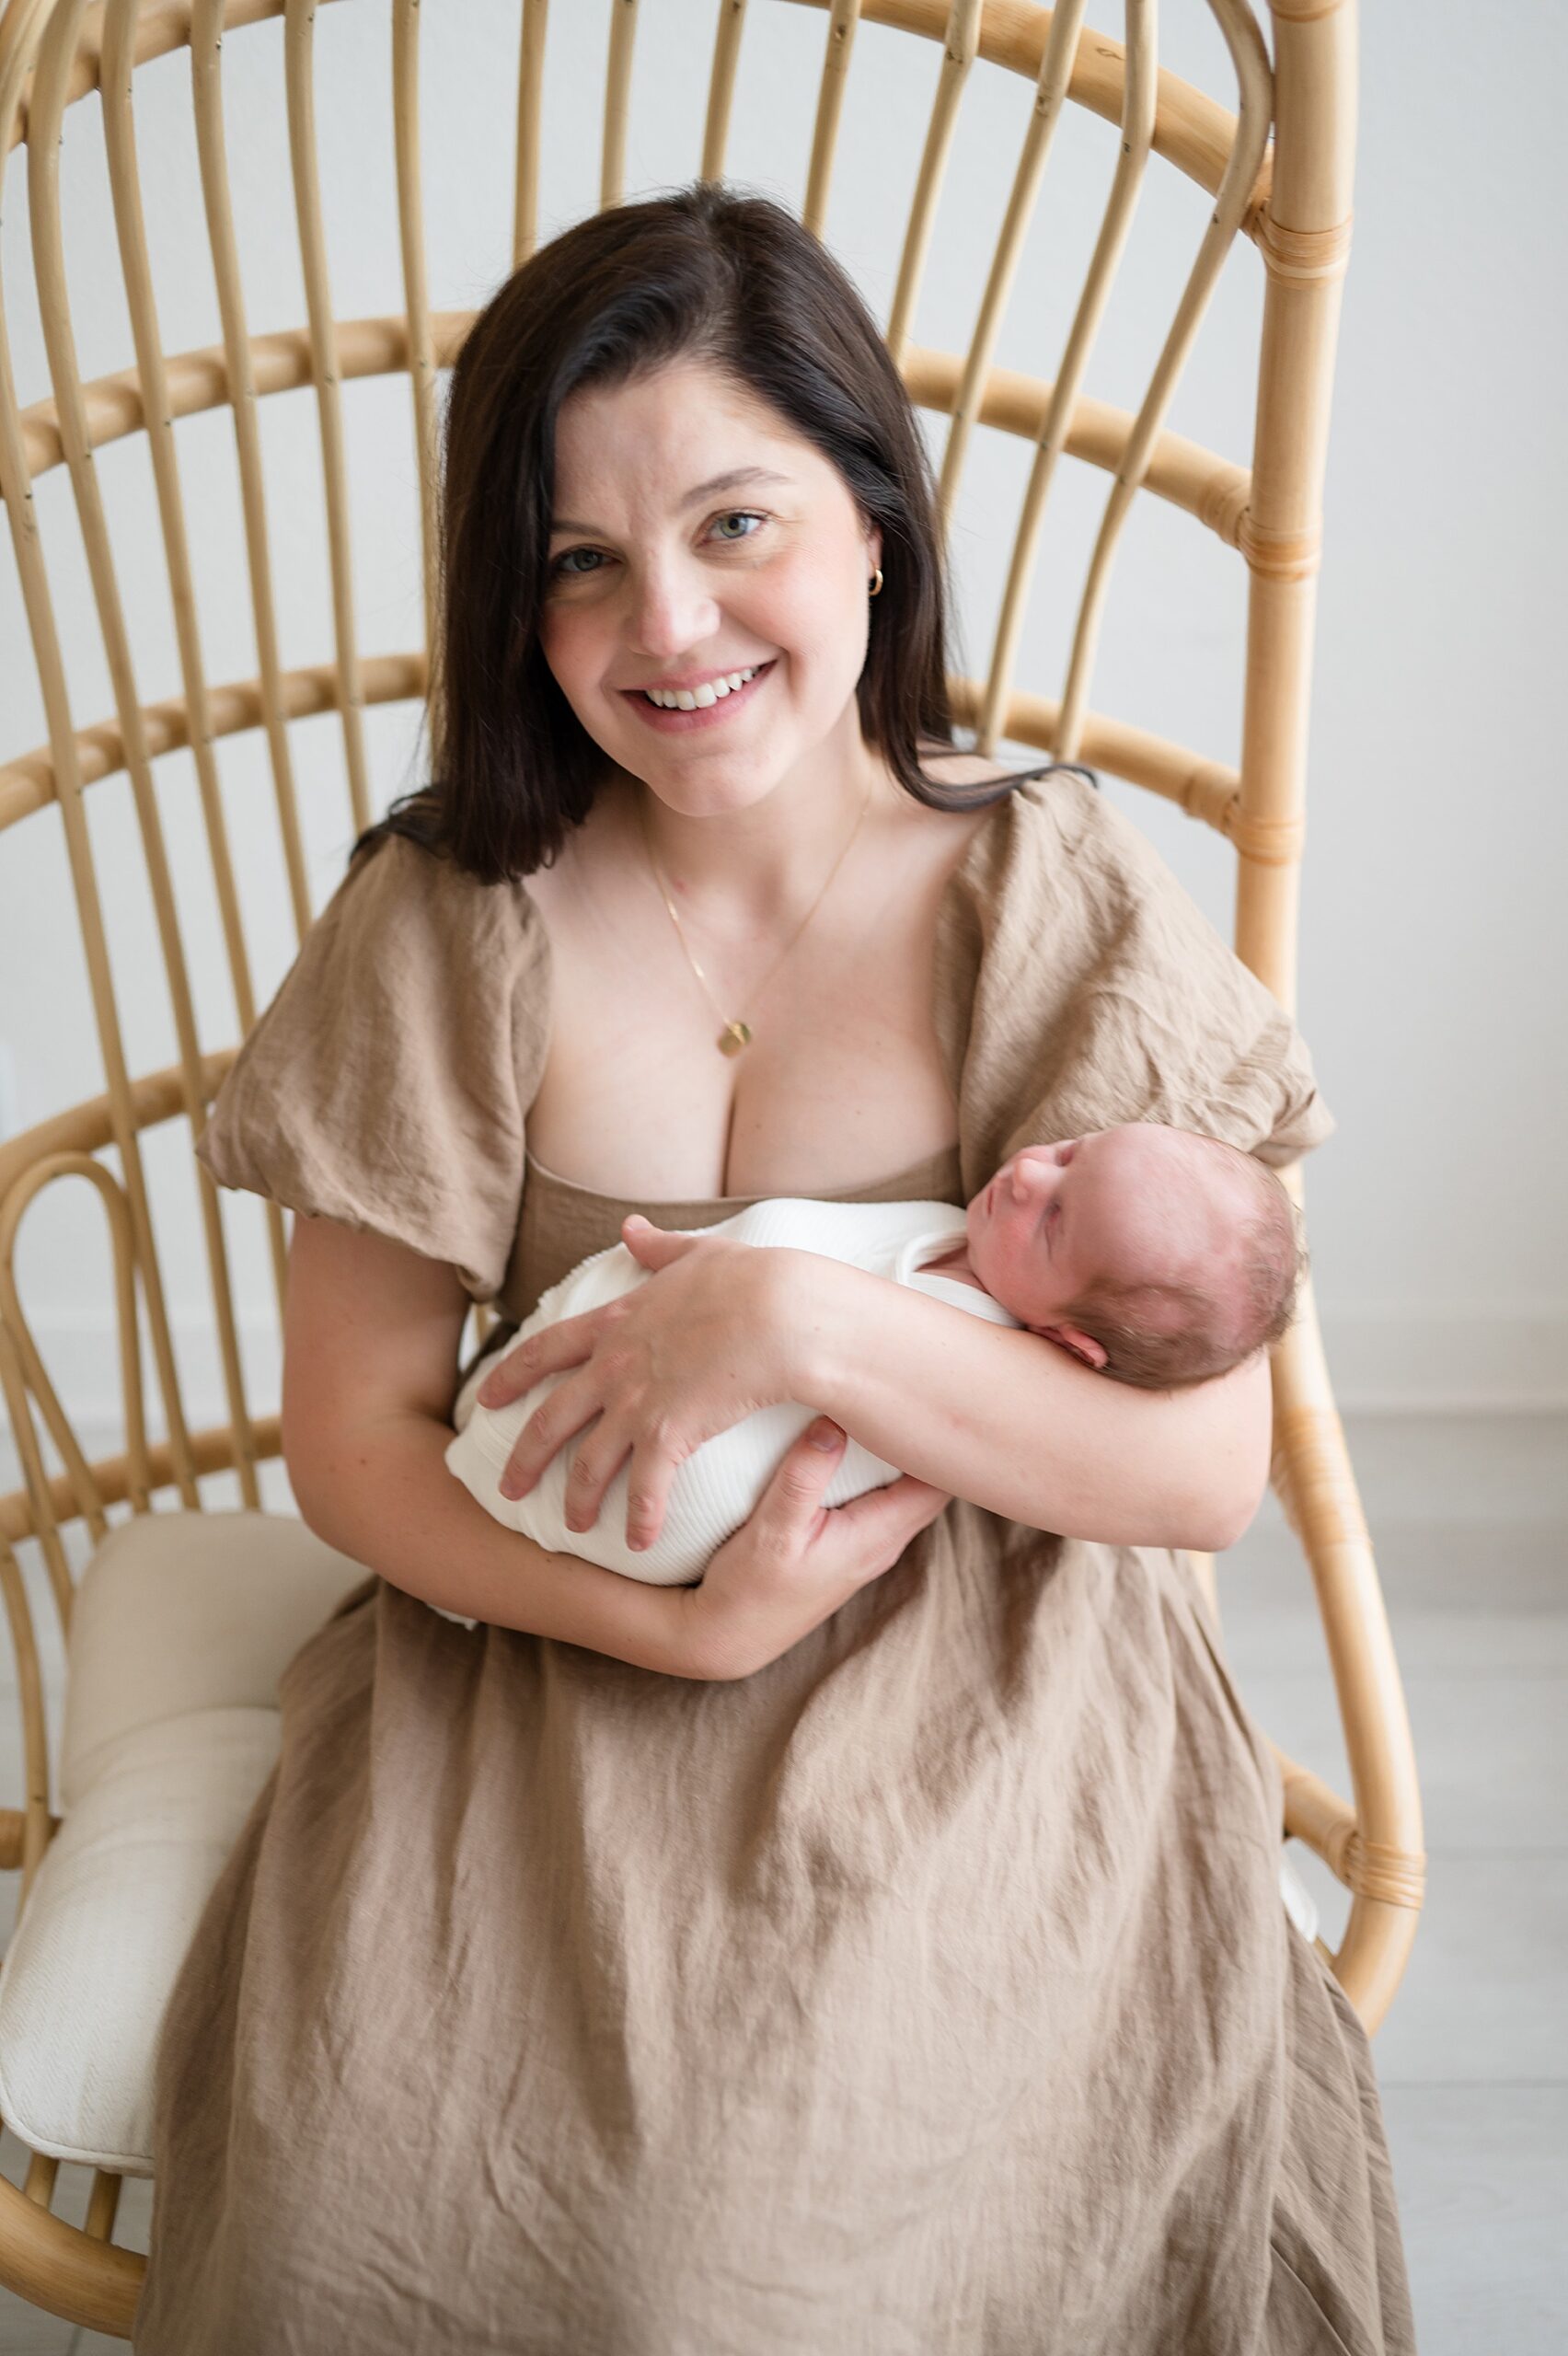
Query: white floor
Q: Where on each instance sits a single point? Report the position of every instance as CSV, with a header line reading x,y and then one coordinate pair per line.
x,y
1473,2058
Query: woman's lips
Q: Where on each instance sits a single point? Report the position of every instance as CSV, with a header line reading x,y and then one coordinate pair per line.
x,y
681,723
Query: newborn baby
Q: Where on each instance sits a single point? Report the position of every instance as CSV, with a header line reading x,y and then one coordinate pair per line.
x,y
1157,1256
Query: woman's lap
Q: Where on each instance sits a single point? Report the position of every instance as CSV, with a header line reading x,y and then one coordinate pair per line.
x,y
932,1981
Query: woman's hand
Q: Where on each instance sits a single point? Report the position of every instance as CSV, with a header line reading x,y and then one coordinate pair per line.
x,y
661,1370
796,1561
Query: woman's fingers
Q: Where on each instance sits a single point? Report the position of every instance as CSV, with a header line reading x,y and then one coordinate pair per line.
x,y
656,1247
885,1519
793,1497
571,1406
595,1461
653,1465
517,1370
909,1503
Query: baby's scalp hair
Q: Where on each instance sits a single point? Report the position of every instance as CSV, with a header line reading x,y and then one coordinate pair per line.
x,y
1168,1336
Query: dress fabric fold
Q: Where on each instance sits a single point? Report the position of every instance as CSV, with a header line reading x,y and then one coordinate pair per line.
x,y
927,1993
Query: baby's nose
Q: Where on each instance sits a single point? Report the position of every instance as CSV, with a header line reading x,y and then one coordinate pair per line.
x,y
1029,1173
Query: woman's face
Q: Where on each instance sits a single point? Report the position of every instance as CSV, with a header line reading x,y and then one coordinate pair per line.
x,y
695,535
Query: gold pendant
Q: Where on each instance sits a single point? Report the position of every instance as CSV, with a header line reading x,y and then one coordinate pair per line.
x,y
734,1037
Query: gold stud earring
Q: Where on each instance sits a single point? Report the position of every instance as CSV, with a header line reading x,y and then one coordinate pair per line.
x,y
876,582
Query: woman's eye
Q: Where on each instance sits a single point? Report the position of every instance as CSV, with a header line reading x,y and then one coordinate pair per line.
x,y
565,567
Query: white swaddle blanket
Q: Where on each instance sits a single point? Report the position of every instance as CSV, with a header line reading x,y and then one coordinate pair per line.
x,y
716,1487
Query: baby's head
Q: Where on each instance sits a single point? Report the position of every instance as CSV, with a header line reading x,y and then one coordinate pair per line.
x,y
1157,1257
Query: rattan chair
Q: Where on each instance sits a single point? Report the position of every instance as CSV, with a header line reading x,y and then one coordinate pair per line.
x,y
197,1608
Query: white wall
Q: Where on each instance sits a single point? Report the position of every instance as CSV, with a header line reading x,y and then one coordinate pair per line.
x,y
1432,967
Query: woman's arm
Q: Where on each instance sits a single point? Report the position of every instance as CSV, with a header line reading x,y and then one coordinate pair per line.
x,y
985,1412
1010,1421
371,1332
378,1488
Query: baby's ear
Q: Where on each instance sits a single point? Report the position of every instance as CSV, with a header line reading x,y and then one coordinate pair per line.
x,y
1082,1345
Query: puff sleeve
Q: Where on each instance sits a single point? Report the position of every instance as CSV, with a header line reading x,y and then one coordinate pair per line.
x,y
386,1085
1098,992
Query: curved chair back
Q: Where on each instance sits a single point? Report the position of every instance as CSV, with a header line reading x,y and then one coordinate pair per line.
x,y
229,621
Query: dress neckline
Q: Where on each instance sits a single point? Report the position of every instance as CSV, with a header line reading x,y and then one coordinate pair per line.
x,y
946,1156
720,1205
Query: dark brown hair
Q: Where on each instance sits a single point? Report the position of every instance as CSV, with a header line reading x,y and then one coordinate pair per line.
x,y
706,274
1168,1336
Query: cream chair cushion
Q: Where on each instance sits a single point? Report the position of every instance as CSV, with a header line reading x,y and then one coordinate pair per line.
x,y
183,1625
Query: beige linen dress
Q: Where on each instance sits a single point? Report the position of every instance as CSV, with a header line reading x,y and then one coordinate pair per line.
x,y
928,1994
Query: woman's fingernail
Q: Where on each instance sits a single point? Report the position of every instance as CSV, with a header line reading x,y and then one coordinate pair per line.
x,y
826,1435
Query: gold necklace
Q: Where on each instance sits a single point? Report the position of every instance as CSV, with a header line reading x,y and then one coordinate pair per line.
x,y
737,1034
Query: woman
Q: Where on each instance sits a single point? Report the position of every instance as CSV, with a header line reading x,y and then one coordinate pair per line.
x,y
879,1945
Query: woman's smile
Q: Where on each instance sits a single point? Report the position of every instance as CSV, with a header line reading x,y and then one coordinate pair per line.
x,y
675,722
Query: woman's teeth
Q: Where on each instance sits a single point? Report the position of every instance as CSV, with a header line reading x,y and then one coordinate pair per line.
x,y
699,698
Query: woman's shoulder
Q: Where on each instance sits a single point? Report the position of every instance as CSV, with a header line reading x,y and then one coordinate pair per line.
x,y
384,1086
396,880
1095,990
1061,815
1055,850
424,924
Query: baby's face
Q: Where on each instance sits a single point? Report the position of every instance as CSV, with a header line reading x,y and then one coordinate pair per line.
x,y
1141,1203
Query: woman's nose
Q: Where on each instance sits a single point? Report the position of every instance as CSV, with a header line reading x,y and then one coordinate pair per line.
x,y
671,612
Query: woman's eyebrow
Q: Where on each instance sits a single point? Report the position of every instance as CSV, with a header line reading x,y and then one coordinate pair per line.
x,y
709,490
